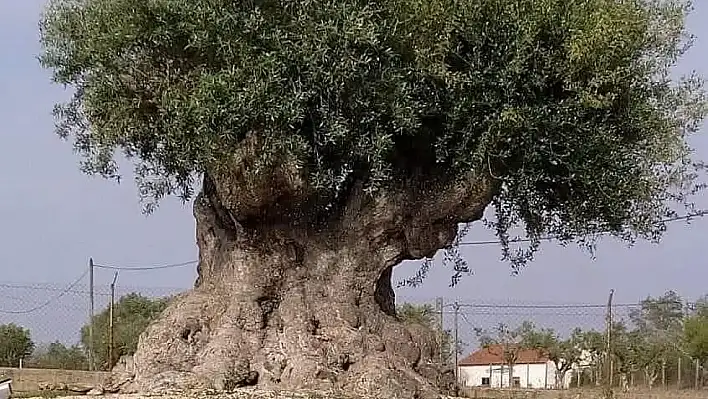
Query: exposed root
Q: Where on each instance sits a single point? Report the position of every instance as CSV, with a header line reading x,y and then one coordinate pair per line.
x,y
201,344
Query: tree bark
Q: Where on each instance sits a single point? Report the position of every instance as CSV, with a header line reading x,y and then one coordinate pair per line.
x,y
651,375
296,306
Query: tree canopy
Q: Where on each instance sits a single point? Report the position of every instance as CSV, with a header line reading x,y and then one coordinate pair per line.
x,y
695,337
510,341
15,344
569,109
59,356
132,314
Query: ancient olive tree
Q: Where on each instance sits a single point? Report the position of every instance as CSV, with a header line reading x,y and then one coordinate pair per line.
x,y
330,140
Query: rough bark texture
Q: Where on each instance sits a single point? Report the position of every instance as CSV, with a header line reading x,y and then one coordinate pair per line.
x,y
293,306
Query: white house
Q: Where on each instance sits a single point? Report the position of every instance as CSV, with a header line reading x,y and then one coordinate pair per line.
x,y
486,368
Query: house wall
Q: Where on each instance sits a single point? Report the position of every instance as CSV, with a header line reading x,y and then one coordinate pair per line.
x,y
539,375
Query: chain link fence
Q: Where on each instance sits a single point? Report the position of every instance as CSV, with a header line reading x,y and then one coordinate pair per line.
x,y
642,357
54,313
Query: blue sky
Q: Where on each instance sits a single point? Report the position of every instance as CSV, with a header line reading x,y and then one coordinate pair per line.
x,y
53,218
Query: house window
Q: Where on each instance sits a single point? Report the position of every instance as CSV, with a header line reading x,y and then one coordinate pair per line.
x,y
485,381
517,382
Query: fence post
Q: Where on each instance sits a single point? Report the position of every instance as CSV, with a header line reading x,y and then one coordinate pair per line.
x,y
608,349
663,373
491,375
90,326
455,347
439,306
678,378
545,377
110,323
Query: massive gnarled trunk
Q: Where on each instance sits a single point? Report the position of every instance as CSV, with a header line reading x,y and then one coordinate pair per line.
x,y
302,305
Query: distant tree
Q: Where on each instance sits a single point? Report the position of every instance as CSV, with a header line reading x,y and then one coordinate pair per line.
x,y
59,356
658,323
695,337
701,307
422,314
636,350
426,315
593,343
564,353
648,354
509,341
622,350
131,315
661,315
15,344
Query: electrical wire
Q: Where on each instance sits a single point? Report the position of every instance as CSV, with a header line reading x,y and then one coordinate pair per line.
x,y
50,300
469,323
548,238
488,242
143,268
578,306
40,288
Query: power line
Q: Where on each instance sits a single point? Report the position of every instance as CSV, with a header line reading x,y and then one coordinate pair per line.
x,y
577,306
141,268
487,242
40,288
46,288
14,298
469,323
548,238
493,306
50,300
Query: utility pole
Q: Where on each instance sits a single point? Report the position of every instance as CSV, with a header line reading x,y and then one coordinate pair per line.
x,y
439,306
110,322
90,345
456,307
608,348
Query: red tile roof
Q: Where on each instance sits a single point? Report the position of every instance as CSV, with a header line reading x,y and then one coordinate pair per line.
x,y
494,355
